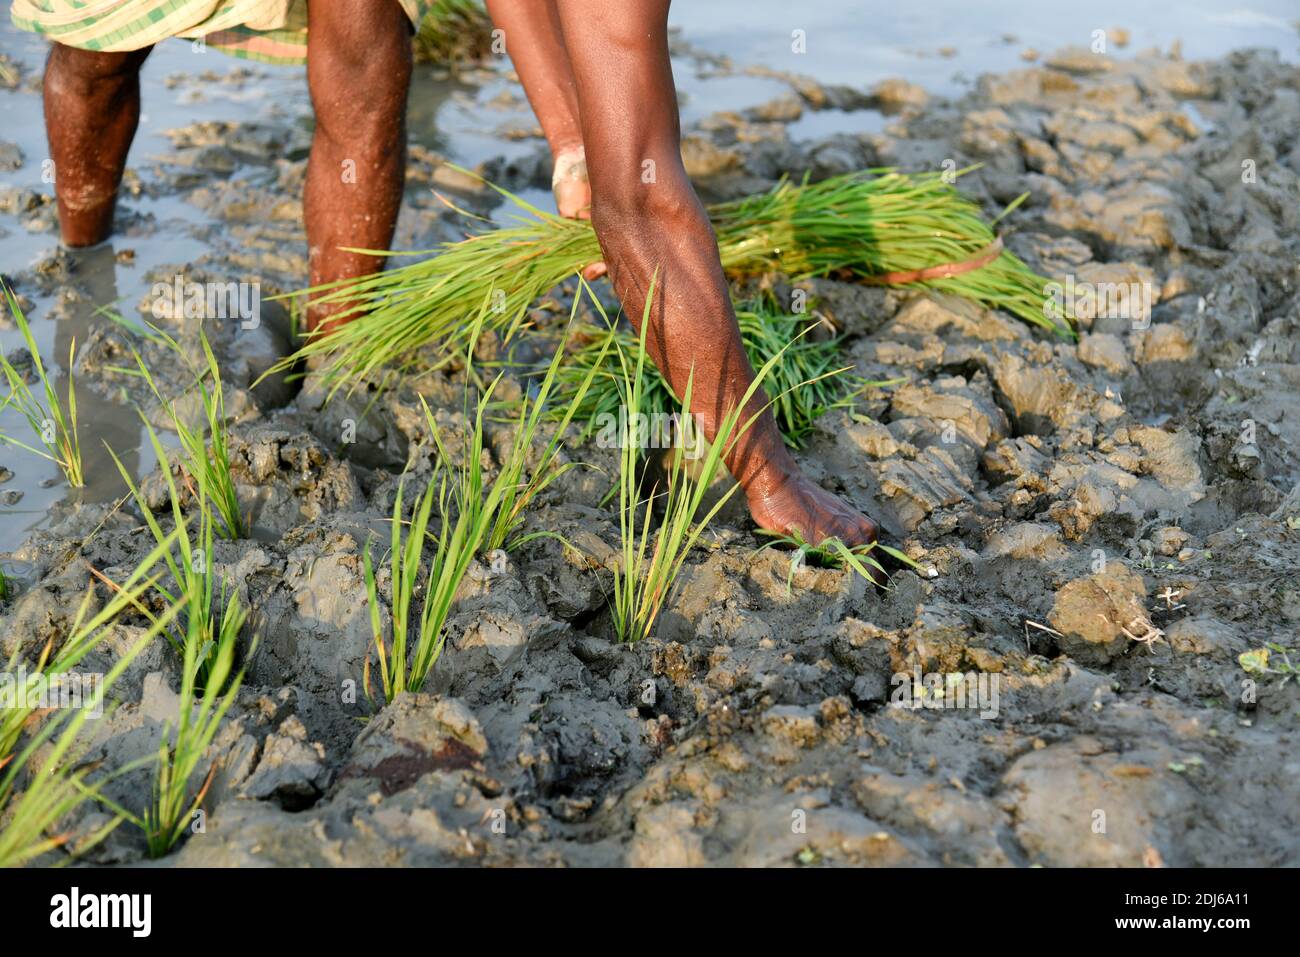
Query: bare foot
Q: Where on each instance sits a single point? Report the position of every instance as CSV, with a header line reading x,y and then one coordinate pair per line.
x,y
573,193
800,505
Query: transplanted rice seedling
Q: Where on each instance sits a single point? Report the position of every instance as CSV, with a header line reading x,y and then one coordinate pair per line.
x,y
206,670
85,634
651,559
520,485
464,520
834,553
461,515
58,786
189,561
807,379
54,423
206,641
876,226
205,448
463,523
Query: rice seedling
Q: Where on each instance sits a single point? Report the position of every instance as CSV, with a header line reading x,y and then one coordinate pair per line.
x,y
834,553
878,226
189,562
206,670
54,423
85,633
651,560
4,586
58,786
464,519
461,515
206,641
454,31
807,380
521,485
204,447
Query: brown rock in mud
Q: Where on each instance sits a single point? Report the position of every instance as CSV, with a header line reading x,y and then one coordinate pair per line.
x,y
1073,808
1091,613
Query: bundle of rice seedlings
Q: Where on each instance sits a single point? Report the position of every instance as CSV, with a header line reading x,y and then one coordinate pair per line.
x,y
876,226
807,380
54,424
884,227
453,32
652,558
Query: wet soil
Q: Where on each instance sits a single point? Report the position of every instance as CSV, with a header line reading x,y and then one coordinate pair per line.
x,y
1063,500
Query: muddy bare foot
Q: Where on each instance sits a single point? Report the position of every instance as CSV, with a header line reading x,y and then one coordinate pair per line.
x,y
798,505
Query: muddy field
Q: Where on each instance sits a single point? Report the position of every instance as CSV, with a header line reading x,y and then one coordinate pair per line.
x,y
1064,501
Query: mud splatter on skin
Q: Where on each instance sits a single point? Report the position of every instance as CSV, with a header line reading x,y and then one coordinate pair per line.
x,y
1038,477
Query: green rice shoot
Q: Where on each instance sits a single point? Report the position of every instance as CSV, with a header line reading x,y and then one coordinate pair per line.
x,y
834,553
85,634
652,558
54,422
520,484
58,785
207,692
205,446
189,562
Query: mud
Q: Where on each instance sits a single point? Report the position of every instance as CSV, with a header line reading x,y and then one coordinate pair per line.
x,y
1064,501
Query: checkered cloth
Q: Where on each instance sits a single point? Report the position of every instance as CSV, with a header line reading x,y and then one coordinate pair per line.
x,y
270,31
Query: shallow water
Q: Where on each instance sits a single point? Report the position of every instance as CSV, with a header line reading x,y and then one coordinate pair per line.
x,y
942,45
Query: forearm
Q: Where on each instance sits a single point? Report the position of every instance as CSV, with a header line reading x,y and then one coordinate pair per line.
x,y
535,44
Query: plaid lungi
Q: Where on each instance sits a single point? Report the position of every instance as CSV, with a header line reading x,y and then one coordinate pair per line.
x,y
271,31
